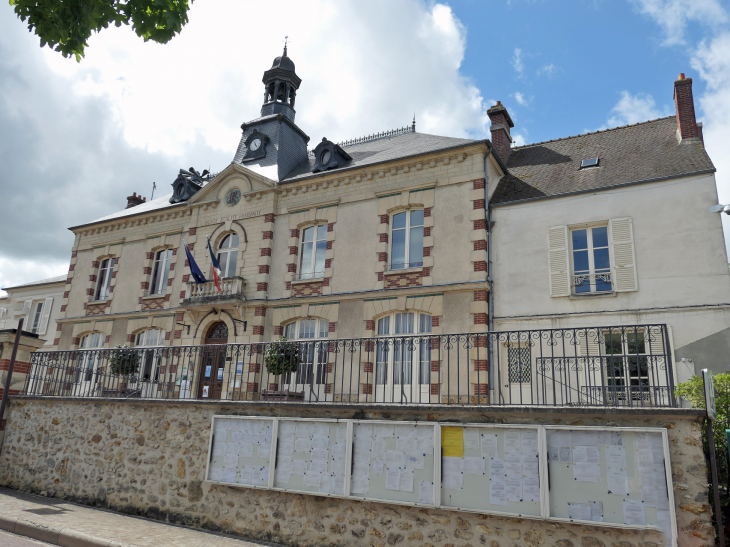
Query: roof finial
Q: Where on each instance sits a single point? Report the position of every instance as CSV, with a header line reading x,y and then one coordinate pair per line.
x,y
414,122
286,39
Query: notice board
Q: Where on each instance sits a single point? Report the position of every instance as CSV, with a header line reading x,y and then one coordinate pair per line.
x,y
491,468
240,451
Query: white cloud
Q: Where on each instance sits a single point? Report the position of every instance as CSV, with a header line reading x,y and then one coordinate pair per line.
x,y
521,99
674,15
517,63
632,109
16,272
548,70
518,139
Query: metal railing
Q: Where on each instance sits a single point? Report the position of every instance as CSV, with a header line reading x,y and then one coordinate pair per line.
x,y
585,367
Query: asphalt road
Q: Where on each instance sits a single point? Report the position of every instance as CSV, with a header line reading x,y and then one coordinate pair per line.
x,y
11,540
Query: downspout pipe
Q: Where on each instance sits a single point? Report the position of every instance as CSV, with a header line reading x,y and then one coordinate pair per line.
x,y
490,294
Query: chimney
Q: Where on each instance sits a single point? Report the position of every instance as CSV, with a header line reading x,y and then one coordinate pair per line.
x,y
687,126
501,123
134,200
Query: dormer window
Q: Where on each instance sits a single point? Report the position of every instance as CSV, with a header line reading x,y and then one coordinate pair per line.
x,y
586,164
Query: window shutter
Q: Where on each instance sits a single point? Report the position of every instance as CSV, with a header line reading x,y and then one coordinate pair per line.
x,y
27,308
558,262
45,315
624,258
590,342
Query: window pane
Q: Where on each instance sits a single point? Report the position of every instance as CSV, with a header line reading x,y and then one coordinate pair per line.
x,y
223,261
140,339
224,243
233,240
306,271
322,232
290,331
417,218
307,328
580,239
232,259
415,252
580,261
600,237
324,328
165,267
399,249
600,259
308,234
635,342
384,326
399,221
319,258
425,323
381,367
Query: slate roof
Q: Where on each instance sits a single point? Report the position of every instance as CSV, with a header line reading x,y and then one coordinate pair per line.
x,y
382,150
47,281
633,153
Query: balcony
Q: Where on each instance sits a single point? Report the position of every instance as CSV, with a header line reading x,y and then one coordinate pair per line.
x,y
626,366
231,289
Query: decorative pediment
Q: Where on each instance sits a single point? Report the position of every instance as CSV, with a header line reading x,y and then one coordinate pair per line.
x,y
233,177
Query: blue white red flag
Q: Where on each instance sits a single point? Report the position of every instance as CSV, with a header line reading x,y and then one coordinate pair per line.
x,y
216,268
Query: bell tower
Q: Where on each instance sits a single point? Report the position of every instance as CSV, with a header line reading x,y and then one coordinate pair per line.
x,y
280,87
273,145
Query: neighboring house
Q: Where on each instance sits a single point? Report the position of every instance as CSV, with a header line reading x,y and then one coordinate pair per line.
x,y
388,235
38,303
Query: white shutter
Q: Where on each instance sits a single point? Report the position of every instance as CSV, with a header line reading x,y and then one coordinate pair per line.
x,y
558,261
27,308
590,342
624,258
45,315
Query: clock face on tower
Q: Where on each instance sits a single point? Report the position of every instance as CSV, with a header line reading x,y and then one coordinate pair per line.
x,y
255,144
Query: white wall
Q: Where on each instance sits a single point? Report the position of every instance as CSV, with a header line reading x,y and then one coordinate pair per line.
x,y
36,293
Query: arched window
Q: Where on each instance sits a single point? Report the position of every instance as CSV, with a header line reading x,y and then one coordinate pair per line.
x,y
228,255
104,279
402,360
406,236
312,252
150,366
312,354
89,362
161,271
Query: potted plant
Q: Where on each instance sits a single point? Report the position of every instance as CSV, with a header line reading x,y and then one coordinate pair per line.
x,y
281,359
124,362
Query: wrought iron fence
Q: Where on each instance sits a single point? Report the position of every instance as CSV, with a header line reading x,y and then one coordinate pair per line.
x,y
626,366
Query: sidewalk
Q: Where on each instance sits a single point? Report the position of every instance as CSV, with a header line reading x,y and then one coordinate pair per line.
x,y
69,525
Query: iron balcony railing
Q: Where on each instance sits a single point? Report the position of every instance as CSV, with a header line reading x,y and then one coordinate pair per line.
x,y
623,366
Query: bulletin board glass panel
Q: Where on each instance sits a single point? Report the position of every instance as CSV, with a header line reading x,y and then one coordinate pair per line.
x,y
494,469
310,456
610,475
240,451
393,461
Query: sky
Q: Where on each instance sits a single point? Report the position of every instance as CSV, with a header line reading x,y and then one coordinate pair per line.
x,y
77,138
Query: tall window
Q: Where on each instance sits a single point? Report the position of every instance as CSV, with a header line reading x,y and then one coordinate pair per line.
x,y
228,255
161,271
36,318
312,354
407,240
150,365
89,362
104,279
627,362
591,262
314,248
402,355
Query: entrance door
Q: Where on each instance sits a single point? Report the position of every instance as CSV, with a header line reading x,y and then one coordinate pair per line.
x,y
213,362
516,374
403,362
87,365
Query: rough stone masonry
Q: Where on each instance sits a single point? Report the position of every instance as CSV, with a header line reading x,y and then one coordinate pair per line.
x,y
148,458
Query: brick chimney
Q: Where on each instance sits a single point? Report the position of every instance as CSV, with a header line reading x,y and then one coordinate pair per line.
x,y
687,126
134,200
501,124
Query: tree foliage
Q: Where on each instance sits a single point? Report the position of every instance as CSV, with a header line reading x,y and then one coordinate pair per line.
x,y
282,357
125,361
66,25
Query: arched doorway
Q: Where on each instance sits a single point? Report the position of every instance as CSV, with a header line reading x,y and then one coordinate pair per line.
x,y
212,370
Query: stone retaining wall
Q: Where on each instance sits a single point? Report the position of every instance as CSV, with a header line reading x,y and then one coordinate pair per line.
x,y
148,458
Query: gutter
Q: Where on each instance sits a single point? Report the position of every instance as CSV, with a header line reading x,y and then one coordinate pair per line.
x,y
490,294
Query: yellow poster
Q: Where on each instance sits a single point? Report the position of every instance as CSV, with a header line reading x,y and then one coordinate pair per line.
x,y
452,442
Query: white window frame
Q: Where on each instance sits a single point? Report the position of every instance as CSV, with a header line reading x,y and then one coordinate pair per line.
x,y
318,369
382,376
592,276
229,251
312,274
104,279
37,315
406,264
149,360
160,271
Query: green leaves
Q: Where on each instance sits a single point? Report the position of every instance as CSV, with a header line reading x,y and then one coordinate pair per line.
x,y
282,357
66,25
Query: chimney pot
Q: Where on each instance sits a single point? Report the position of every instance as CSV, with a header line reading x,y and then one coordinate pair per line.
x,y
134,200
681,76
685,110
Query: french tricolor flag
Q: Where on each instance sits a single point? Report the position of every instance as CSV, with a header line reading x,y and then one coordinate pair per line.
x,y
216,268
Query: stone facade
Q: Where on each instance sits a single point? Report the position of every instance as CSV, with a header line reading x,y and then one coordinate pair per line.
x,y
149,459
